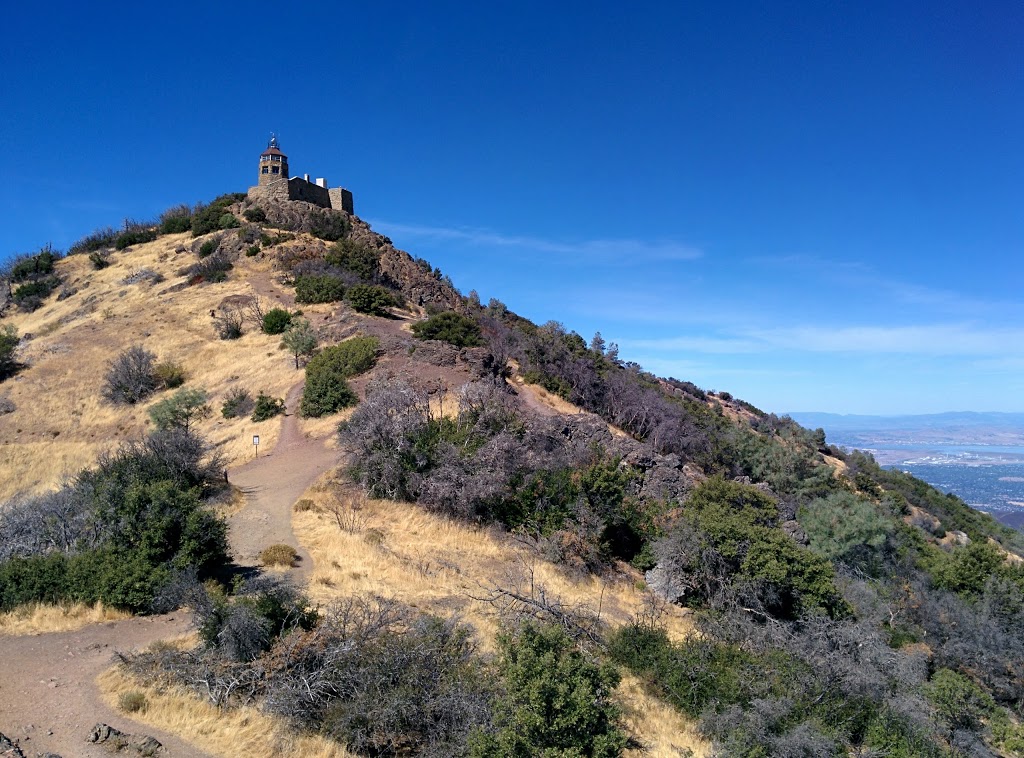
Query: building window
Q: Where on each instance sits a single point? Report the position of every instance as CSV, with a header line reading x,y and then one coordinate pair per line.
x,y
266,170
276,169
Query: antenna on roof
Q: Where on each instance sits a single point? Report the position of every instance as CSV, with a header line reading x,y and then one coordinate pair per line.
x,y
273,142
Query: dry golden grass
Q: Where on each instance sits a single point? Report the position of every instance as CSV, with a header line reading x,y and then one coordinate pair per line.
x,y
38,618
232,733
444,566
61,423
661,729
279,555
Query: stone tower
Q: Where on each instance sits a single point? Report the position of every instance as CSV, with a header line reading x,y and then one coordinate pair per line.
x,y
273,163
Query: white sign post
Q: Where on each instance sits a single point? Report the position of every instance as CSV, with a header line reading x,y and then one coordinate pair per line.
x,y
256,442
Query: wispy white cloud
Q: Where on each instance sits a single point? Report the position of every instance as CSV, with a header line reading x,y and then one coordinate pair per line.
x,y
623,251
929,340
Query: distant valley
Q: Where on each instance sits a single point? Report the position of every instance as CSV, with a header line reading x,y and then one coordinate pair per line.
x,y
977,456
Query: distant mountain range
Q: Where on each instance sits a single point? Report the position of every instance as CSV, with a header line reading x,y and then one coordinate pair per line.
x,y
953,428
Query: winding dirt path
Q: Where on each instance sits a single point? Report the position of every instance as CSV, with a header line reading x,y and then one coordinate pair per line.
x,y
48,696
272,483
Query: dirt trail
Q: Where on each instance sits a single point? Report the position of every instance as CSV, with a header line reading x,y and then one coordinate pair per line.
x,y
272,483
48,695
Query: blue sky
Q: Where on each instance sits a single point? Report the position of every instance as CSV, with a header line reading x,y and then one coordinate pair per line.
x,y
815,206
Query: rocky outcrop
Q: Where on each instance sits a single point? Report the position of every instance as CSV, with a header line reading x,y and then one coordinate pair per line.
x,y
9,749
138,744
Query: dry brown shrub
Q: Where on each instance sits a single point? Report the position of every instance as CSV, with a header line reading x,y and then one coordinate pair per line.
x,y
279,555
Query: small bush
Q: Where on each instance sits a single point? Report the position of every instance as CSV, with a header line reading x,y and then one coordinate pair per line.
x,y
228,221
328,225
369,298
207,218
8,345
276,320
212,269
134,236
255,214
252,251
176,220
319,288
170,374
300,338
27,267
557,702
361,260
238,403
30,296
99,260
132,702
228,323
450,327
208,248
279,555
326,390
130,377
97,240
267,407
180,410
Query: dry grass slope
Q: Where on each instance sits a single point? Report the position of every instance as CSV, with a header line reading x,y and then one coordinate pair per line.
x,y
61,423
39,618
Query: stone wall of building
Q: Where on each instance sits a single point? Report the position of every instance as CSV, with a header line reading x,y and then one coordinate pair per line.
x,y
341,200
276,190
300,189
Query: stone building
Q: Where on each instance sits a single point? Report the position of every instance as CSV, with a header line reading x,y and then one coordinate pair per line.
x,y
274,183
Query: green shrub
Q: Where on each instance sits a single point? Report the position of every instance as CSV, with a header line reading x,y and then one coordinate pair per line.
x,y
349,358
176,221
170,374
267,407
319,288
276,320
557,703
960,703
33,266
180,410
208,248
325,393
361,260
842,526
99,260
369,298
967,569
237,403
326,390
328,224
689,675
97,240
728,536
252,251
300,339
450,327
228,221
151,529
8,345
134,236
207,218
255,214
30,296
